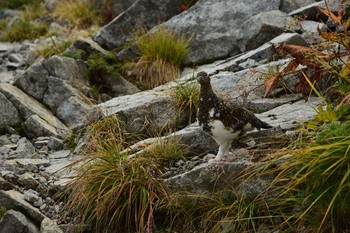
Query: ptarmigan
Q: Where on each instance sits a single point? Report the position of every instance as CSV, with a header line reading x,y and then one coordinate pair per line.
x,y
223,121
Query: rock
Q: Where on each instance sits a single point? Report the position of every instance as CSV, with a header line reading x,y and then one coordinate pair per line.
x,y
56,83
49,226
8,113
310,30
118,86
16,222
291,115
141,110
28,106
265,104
196,142
33,81
83,47
35,126
12,199
31,195
41,141
25,149
215,40
149,14
264,52
60,154
73,111
31,165
312,12
208,178
246,87
291,5
28,181
4,140
7,77
50,5
5,185
262,28
55,143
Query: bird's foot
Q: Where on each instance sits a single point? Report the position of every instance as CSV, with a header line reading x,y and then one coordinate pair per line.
x,y
217,159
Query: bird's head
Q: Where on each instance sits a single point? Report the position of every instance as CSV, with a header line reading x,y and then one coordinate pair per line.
x,y
203,78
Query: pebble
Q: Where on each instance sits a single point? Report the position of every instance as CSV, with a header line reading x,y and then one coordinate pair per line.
x,y
31,195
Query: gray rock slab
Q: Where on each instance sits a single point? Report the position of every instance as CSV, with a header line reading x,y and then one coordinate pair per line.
x,y
74,111
119,85
154,108
31,164
8,113
56,82
59,154
265,104
28,106
246,86
6,185
206,178
6,47
196,142
12,199
291,5
265,52
291,115
28,181
16,222
262,28
35,126
33,81
149,14
215,25
312,12
25,149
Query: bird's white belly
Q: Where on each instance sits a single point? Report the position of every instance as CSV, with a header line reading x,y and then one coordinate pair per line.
x,y
220,133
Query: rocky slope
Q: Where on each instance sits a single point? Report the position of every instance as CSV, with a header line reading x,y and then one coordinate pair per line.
x,y
233,42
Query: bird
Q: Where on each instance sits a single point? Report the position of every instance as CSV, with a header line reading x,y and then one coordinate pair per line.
x,y
224,121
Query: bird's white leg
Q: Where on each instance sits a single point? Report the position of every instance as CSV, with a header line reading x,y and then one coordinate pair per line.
x,y
223,150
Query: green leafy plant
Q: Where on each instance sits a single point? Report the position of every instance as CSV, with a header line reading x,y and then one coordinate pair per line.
x,y
161,54
3,211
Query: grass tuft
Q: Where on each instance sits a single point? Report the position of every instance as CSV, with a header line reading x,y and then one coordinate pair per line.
x,y
56,48
112,193
162,53
26,26
78,13
186,97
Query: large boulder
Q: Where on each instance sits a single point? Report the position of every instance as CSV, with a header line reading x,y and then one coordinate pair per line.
x,y
33,113
262,28
214,26
16,222
12,199
142,112
58,83
143,13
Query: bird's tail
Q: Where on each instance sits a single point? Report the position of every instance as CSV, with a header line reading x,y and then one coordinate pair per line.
x,y
262,125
